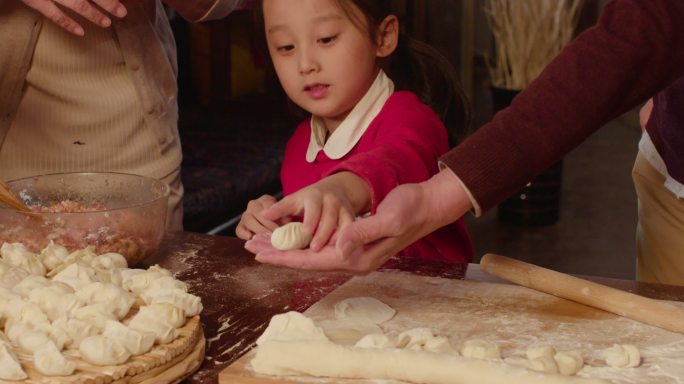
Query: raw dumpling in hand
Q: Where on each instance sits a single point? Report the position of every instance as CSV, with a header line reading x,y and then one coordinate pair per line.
x,y
291,236
49,361
136,342
117,300
10,368
101,350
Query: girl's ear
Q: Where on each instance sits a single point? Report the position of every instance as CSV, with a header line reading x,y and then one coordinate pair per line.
x,y
388,36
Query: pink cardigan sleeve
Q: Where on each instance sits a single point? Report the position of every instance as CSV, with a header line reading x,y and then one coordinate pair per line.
x,y
402,146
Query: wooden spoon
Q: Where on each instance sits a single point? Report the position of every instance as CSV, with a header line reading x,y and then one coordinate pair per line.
x,y
9,199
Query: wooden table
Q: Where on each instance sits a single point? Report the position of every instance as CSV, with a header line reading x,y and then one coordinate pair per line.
x,y
240,295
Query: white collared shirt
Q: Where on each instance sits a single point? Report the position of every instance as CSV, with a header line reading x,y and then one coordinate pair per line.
x,y
349,132
648,149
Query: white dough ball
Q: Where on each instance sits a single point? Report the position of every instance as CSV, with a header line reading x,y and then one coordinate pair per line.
x,y
569,362
536,352
623,356
414,338
376,340
439,344
480,349
545,364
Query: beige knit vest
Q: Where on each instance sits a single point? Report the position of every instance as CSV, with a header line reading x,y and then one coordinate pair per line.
x,y
80,110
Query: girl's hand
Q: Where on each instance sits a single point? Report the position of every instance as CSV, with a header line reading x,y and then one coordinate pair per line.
x,y
324,206
365,245
89,9
251,222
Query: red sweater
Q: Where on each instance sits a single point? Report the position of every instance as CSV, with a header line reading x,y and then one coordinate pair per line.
x,y
401,145
634,52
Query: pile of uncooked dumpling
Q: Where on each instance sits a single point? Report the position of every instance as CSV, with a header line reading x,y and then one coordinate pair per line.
x,y
80,303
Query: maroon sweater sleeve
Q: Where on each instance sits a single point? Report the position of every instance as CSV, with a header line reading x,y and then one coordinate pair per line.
x,y
633,52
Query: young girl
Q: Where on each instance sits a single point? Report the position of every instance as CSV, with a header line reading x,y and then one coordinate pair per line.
x,y
348,65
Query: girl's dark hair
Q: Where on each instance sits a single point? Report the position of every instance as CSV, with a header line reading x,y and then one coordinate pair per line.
x,y
419,68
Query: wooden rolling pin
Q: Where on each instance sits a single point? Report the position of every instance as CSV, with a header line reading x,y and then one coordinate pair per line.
x,y
635,307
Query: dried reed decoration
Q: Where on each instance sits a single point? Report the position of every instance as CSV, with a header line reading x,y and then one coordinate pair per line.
x,y
527,35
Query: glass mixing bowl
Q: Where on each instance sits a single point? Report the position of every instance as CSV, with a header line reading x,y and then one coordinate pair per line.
x,y
112,212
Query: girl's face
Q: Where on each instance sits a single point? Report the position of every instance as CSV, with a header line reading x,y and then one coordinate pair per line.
x,y
325,63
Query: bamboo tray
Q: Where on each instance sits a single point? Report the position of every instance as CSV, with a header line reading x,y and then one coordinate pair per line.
x,y
168,363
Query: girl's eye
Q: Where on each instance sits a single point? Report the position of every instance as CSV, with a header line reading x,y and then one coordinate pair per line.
x,y
285,48
327,40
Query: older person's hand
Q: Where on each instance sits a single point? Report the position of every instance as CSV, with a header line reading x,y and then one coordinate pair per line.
x,y
91,10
